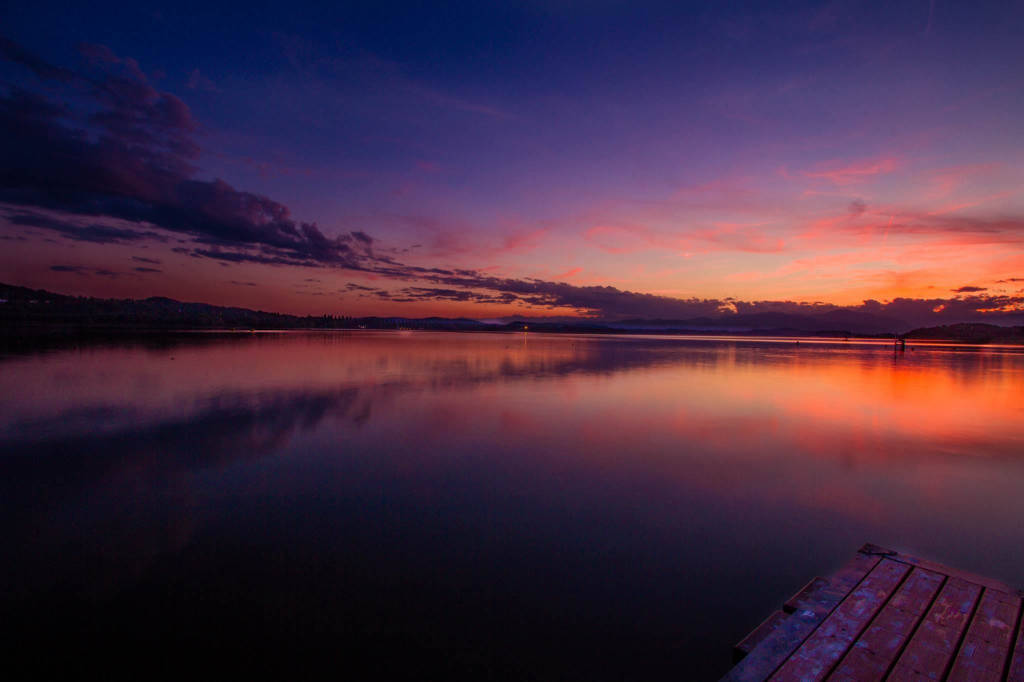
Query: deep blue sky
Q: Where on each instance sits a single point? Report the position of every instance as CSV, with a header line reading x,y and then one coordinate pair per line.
x,y
808,152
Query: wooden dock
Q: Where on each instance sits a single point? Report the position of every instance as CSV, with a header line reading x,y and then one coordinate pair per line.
x,y
889,616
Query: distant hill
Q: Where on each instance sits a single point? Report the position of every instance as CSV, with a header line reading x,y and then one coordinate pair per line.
x,y
27,311
35,307
849,321
969,333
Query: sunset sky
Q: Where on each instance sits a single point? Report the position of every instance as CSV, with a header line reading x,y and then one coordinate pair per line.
x,y
607,159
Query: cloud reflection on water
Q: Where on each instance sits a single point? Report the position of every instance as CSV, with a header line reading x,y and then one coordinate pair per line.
x,y
599,462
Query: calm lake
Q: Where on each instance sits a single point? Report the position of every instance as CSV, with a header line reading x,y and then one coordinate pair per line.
x,y
422,505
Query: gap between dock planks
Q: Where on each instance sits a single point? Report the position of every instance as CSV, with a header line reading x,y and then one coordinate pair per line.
x,y
889,616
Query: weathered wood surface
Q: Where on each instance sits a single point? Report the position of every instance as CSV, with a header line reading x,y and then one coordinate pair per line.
x,y
889,616
986,647
934,644
759,634
1015,671
982,580
871,657
826,645
811,610
808,591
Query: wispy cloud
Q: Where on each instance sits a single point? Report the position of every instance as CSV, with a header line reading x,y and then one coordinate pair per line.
x,y
79,229
845,173
84,270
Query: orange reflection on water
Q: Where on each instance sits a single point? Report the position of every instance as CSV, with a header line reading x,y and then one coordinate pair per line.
x,y
727,442
696,388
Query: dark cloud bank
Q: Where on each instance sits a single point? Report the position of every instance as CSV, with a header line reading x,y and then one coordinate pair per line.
x,y
105,157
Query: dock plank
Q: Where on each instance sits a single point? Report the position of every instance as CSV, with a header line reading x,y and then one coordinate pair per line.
x,y
759,634
871,656
780,644
1015,672
890,616
989,640
932,647
830,641
807,592
967,576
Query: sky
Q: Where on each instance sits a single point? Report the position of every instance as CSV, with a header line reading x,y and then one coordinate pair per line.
x,y
600,159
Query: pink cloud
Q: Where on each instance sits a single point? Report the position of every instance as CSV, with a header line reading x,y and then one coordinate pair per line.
x,y
944,181
457,238
721,236
569,274
737,237
841,173
968,203
523,240
618,239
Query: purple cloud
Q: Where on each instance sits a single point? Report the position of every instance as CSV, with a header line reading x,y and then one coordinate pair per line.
x,y
93,232
16,53
131,158
82,270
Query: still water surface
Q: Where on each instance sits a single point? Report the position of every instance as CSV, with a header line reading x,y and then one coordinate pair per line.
x,y
500,506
